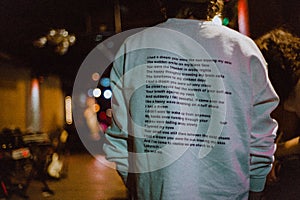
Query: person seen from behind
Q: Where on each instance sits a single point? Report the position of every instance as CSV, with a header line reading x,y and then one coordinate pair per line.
x,y
191,109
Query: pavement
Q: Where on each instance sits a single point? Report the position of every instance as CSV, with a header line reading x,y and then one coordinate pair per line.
x,y
94,178
88,178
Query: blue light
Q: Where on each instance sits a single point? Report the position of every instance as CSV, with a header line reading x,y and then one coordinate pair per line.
x,y
105,82
90,92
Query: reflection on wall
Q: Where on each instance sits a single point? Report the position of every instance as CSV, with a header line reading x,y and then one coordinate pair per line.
x,y
34,116
35,104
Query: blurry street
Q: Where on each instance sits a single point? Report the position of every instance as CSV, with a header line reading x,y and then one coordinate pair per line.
x,y
88,178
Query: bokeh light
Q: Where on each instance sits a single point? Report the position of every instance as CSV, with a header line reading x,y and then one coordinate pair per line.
x,y
60,38
96,107
107,94
90,92
226,21
96,76
103,126
105,82
102,115
96,92
68,108
109,112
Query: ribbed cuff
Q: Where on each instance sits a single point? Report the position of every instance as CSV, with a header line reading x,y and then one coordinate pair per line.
x,y
257,184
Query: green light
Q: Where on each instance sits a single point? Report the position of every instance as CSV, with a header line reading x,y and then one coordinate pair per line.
x,y
225,21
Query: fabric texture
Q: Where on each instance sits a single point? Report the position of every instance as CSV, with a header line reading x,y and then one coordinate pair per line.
x,y
191,113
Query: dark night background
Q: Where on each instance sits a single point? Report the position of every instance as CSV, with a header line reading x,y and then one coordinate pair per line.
x,y
23,21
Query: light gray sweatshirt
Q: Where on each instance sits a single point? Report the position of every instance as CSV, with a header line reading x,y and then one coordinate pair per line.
x,y
191,113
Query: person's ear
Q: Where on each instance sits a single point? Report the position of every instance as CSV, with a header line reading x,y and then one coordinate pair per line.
x,y
289,104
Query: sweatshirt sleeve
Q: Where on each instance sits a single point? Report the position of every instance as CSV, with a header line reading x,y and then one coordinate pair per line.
x,y
115,146
264,128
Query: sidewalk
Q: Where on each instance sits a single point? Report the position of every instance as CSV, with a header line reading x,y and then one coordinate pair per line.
x,y
88,179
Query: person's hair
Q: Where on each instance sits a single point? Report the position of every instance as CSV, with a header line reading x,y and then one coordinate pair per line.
x,y
281,51
205,10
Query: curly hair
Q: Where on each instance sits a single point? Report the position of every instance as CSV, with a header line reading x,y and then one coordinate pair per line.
x,y
281,51
205,10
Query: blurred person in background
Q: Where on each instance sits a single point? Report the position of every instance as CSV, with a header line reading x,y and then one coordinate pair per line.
x,y
281,51
174,147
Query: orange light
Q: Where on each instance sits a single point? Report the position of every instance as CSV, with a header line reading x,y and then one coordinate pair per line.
x,y
96,107
243,18
68,108
96,76
35,111
25,153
